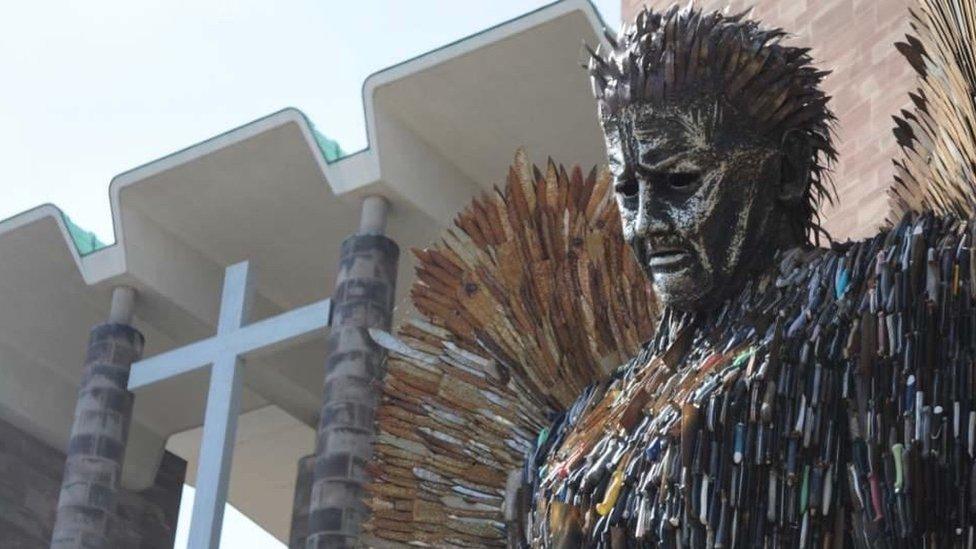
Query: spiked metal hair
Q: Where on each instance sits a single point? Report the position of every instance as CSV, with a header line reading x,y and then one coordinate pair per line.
x,y
772,90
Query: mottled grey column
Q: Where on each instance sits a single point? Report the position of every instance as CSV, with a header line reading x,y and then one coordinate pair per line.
x,y
363,299
96,447
299,508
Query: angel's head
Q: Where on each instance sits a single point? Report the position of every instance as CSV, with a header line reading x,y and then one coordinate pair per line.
x,y
719,140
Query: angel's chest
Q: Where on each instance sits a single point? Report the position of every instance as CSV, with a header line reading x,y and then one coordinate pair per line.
x,y
713,444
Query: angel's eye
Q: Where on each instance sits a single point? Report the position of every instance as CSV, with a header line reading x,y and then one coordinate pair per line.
x,y
627,187
682,180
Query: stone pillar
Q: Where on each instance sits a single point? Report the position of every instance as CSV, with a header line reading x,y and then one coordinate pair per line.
x,y
96,447
363,299
299,509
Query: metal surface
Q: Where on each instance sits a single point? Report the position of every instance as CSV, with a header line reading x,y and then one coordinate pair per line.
x,y
716,165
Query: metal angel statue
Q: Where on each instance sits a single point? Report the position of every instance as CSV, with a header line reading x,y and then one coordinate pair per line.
x,y
792,394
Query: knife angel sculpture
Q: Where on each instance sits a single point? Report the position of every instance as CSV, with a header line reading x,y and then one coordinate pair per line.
x,y
791,394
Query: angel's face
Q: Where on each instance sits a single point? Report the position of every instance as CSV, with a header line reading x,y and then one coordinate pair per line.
x,y
694,202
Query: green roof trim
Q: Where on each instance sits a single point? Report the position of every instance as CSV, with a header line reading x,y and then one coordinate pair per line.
x,y
85,241
330,149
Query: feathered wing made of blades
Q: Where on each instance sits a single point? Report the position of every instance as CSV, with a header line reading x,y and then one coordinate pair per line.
x,y
937,168
530,297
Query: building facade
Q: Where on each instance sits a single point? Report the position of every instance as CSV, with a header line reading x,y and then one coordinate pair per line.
x,y
442,129
30,481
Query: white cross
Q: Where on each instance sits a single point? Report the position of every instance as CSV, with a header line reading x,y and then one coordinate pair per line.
x,y
224,351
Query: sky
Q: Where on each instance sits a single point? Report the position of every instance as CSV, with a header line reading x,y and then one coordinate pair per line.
x,y
92,89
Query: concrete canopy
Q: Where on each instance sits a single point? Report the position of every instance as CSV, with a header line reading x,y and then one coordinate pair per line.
x,y
442,127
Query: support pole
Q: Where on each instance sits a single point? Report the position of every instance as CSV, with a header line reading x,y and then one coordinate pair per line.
x,y
373,219
363,299
123,305
96,447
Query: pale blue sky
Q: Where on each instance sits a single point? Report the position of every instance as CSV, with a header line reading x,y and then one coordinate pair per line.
x,y
94,88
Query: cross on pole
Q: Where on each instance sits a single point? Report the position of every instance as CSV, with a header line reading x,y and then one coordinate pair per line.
x,y
223,353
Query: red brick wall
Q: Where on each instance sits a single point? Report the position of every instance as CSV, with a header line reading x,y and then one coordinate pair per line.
x,y
870,82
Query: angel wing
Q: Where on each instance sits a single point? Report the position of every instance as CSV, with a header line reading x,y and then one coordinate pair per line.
x,y
529,298
937,167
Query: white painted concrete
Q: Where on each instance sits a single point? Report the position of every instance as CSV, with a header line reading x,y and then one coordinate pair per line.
x,y
375,214
123,305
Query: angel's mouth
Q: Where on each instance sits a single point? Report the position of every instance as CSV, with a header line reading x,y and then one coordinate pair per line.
x,y
667,259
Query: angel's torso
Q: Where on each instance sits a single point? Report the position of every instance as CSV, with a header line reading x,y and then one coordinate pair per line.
x,y
830,404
